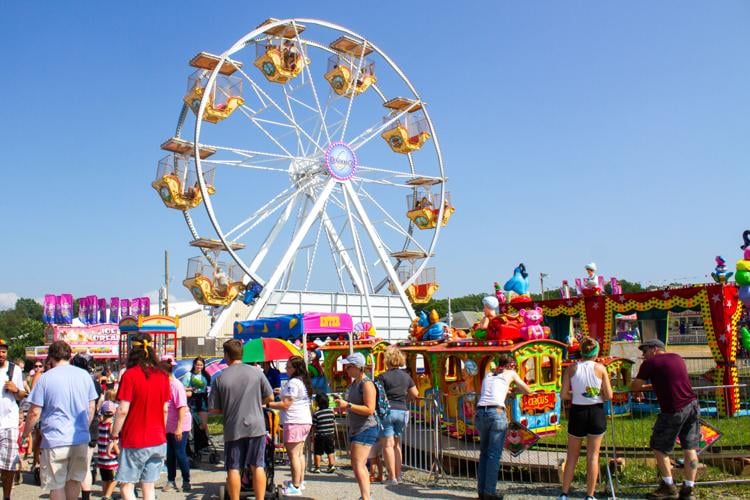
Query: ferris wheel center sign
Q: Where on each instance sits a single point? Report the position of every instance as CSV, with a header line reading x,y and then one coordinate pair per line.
x,y
341,161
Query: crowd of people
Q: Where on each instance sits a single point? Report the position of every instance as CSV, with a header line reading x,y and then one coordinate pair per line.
x,y
130,424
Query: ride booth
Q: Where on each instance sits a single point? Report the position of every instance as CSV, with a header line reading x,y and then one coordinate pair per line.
x,y
163,331
334,351
100,341
718,306
301,327
452,373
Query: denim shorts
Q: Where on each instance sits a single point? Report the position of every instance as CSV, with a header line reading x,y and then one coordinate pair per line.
x,y
394,423
367,437
141,464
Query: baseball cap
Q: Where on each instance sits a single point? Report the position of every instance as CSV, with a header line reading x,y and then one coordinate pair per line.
x,y
357,359
652,343
3,344
108,407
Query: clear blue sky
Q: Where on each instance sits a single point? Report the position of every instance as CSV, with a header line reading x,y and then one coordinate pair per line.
x,y
571,131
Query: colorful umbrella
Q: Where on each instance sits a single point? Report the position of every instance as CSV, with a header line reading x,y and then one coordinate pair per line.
x,y
268,349
215,366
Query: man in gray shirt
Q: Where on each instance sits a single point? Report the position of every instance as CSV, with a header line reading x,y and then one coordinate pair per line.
x,y
239,395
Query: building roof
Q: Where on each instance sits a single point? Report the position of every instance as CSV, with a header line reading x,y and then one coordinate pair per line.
x,y
465,319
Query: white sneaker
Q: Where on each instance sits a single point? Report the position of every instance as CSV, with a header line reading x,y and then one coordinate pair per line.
x,y
392,482
288,482
291,491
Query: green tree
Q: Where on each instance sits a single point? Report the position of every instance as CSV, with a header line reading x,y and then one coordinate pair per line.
x,y
22,326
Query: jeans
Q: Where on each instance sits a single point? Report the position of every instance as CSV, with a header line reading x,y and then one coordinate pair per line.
x,y
177,454
492,427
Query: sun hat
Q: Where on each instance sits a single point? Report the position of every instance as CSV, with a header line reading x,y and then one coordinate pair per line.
x,y
357,359
108,407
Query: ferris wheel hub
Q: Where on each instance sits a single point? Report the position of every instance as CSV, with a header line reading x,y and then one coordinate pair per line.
x,y
340,160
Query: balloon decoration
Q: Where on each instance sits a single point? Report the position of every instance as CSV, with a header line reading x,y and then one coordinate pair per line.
x,y
745,338
743,271
518,285
720,274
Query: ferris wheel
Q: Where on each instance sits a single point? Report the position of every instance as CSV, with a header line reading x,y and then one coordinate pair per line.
x,y
318,166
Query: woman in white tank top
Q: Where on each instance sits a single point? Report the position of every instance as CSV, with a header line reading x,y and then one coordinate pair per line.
x,y
587,385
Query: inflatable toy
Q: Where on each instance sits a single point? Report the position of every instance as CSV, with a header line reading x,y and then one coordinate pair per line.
x,y
532,328
720,274
518,285
745,338
433,328
742,277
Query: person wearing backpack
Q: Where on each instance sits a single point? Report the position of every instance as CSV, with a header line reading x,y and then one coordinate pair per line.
x,y
397,386
363,426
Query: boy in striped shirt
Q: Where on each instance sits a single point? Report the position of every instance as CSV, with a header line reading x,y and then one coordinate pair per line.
x,y
105,461
325,430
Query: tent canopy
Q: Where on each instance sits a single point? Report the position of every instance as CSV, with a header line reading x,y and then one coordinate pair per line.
x,y
292,326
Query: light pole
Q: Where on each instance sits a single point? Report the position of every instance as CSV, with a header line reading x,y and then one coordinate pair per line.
x,y
541,281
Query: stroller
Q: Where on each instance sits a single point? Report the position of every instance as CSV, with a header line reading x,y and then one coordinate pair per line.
x,y
273,492
200,443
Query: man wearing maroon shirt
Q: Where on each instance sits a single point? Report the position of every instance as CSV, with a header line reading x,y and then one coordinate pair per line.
x,y
678,417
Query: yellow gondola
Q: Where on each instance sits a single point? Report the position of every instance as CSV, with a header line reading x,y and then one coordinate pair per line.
x,y
177,184
340,78
204,292
400,142
421,293
279,64
410,131
214,112
423,205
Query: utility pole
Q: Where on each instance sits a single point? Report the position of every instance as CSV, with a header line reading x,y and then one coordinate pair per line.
x,y
450,314
166,283
541,281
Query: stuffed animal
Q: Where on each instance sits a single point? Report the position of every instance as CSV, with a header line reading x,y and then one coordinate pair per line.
x,y
720,274
519,283
532,328
433,328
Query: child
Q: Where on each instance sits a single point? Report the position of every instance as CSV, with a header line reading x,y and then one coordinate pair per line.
x,y
325,429
105,461
375,462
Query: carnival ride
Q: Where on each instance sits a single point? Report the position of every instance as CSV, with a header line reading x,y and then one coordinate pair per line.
x,y
163,331
290,165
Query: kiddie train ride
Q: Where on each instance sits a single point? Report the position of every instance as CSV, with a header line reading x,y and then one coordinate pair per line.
x,y
449,366
163,331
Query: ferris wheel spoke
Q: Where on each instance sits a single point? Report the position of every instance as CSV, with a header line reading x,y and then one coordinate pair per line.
x,y
270,207
392,222
272,235
281,110
335,240
312,83
360,258
291,113
379,247
242,164
351,98
311,261
258,123
273,280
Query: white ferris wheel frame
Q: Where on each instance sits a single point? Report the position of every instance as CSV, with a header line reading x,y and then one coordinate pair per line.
x,y
351,198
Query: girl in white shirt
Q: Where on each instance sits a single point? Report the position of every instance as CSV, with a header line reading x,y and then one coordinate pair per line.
x,y
296,419
492,423
587,384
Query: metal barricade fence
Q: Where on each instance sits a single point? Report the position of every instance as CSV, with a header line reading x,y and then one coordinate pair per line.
x,y
441,440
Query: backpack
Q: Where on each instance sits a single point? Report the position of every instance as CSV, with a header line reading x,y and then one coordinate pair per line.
x,y
382,406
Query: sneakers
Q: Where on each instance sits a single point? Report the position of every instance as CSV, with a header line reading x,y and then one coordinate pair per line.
x,y
170,486
392,482
664,491
331,469
186,488
316,470
291,491
563,496
288,482
686,492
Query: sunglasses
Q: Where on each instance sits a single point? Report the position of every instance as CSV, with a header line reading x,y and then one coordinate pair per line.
x,y
38,366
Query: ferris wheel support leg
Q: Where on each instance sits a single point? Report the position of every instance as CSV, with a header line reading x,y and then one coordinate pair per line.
x,y
225,315
380,249
334,237
270,285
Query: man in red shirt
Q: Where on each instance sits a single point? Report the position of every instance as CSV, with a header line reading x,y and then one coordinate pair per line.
x,y
141,416
678,416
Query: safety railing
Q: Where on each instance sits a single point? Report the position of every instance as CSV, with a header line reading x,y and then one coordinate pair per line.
x,y
442,441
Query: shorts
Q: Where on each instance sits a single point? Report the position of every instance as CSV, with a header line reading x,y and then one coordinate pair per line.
x,y
394,423
9,448
683,424
107,474
245,452
62,464
367,437
587,420
296,433
324,444
141,464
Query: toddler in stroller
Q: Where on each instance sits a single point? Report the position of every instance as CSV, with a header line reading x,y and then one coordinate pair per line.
x,y
200,442
272,491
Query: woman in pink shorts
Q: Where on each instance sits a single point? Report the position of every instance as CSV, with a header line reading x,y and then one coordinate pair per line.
x,y
296,419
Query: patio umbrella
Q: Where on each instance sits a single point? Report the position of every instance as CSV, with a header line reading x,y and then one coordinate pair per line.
x,y
215,366
268,349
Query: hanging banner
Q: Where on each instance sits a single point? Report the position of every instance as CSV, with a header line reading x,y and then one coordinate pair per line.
x,y
65,305
48,312
145,306
102,310
93,312
82,309
124,308
114,310
135,307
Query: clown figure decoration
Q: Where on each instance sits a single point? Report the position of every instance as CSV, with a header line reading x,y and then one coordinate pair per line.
x,y
591,280
490,304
